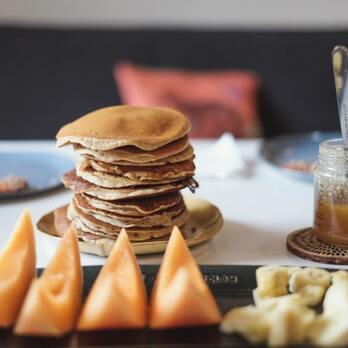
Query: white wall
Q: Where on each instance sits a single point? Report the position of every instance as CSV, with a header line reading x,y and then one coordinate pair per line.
x,y
178,13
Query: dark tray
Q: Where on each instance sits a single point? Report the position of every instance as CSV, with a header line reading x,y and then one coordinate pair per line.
x,y
231,285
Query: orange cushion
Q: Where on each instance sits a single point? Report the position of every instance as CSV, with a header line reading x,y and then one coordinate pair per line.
x,y
215,101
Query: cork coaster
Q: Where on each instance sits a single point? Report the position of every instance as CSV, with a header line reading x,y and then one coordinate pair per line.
x,y
305,244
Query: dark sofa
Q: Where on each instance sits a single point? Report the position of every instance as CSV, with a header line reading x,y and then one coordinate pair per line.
x,y
48,77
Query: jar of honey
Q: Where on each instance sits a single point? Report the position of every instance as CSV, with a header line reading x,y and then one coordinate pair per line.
x,y
331,193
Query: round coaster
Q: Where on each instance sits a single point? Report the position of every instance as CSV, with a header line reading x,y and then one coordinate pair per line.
x,y
305,244
204,222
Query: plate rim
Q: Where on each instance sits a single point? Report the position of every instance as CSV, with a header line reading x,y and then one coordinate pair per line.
x,y
34,192
295,174
140,248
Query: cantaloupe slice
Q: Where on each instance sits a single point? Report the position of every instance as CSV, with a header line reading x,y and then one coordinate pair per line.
x,y
17,269
180,296
118,297
53,302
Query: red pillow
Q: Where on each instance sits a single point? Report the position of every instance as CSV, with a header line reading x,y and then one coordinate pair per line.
x,y
216,102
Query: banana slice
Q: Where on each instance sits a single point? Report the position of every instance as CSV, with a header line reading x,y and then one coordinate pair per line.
x,y
293,269
272,281
331,328
250,322
279,321
336,300
280,318
319,324
272,302
312,295
339,276
309,295
309,276
329,332
288,324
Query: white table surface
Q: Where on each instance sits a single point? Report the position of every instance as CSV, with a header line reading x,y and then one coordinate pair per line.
x,y
259,208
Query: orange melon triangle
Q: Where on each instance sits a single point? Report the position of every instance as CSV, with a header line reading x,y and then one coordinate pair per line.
x,y
180,296
17,269
53,302
118,296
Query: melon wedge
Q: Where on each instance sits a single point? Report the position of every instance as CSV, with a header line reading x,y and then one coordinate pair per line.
x,y
118,297
53,302
180,296
17,269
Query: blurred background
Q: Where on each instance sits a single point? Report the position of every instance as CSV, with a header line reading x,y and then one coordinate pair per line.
x,y
250,67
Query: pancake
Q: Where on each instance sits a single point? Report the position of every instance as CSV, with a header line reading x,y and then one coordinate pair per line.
x,y
79,185
172,171
85,232
89,223
135,161
134,154
184,155
92,238
113,181
116,126
162,218
61,216
102,238
136,206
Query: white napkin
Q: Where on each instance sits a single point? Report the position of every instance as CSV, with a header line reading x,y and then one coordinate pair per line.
x,y
220,160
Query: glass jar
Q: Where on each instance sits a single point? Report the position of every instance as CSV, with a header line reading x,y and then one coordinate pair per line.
x,y
331,193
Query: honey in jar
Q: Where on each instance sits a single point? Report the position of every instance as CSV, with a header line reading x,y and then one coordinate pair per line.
x,y
331,193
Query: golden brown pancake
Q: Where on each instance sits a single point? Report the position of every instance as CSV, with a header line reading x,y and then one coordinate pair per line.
x,y
186,154
171,171
134,154
135,161
74,182
98,237
113,181
90,237
162,218
89,223
117,126
61,215
136,206
102,239
84,231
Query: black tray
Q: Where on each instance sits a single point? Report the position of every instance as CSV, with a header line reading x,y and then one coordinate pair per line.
x,y
231,285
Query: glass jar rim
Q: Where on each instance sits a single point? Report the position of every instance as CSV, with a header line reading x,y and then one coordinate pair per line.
x,y
332,148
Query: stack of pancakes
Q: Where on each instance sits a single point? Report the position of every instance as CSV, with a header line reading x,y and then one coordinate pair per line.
x,y
134,163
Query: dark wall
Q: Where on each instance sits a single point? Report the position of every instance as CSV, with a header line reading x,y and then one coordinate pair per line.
x,y
49,77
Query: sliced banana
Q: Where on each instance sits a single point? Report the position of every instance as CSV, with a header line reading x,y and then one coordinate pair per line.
x,y
272,302
288,324
339,276
331,328
329,332
309,276
312,295
292,269
282,323
335,302
250,322
280,318
272,281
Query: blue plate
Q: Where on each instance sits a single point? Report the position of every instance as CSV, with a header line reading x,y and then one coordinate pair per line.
x,y
42,170
279,150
